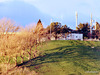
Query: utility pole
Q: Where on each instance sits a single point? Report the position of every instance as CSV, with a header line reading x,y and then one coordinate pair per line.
x,y
50,28
76,19
95,25
91,26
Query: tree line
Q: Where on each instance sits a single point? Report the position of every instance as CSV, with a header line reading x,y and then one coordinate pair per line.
x,y
83,28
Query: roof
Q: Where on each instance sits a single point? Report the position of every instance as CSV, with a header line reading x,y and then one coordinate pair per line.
x,y
75,31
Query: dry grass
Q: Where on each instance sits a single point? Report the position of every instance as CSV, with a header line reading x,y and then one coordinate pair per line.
x,y
15,70
17,42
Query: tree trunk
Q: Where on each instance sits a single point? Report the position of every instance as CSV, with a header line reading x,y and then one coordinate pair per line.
x,y
22,59
8,60
16,60
56,37
29,58
34,54
30,53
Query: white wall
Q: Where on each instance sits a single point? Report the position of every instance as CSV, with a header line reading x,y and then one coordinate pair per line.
x,y
74,36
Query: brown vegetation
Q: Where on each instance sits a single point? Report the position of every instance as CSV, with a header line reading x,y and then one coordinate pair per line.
x,y
17,42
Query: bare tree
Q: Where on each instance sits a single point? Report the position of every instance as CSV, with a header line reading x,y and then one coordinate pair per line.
x,y
7,44
16,43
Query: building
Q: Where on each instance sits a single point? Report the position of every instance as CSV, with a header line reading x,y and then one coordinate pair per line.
x,y
70,36
74,36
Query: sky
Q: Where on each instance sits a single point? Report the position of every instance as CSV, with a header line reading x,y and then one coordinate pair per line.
x,y
25,12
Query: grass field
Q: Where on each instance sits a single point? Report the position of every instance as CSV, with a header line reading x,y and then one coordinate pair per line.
x,y
67,58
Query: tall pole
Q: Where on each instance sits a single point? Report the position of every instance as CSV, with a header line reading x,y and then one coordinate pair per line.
x,y
76,19
95,25
50,28
91,26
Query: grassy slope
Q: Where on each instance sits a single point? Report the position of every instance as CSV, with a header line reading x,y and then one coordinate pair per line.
x,y
67,58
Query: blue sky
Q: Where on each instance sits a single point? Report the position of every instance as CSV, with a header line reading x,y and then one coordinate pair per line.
x,y
24,12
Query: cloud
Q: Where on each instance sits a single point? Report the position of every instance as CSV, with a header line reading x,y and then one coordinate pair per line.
x,y
65,9
58,7
2,1
27,1
30,1
59,10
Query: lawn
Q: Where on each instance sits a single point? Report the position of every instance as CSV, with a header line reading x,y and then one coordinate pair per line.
x,y
67,58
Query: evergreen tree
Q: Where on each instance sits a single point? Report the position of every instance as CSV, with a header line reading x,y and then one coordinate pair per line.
x,y
39,27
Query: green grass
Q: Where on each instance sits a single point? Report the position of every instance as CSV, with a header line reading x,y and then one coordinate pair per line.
x,y
67,58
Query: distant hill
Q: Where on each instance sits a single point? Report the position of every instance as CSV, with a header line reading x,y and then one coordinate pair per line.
x,y
23,13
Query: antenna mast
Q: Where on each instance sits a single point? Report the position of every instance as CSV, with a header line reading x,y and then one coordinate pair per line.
x,y
95,25
50,28
76,19
91,26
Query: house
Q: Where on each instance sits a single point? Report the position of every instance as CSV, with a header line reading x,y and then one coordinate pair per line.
x,y
74,36
71,36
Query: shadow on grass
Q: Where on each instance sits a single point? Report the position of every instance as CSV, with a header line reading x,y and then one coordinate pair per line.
x,y
79,55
